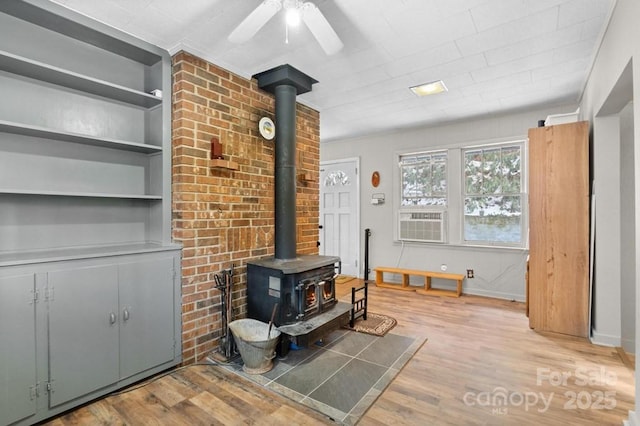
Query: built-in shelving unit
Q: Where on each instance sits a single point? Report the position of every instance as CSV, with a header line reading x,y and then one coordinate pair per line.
x,y
79,127
85,211
76,253
41,132
50,74
80,194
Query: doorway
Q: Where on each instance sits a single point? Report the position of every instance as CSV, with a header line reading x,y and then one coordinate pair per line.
x,y
339,212
615,281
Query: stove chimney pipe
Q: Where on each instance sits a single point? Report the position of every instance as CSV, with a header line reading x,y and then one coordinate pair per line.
x,y
285,82
285,172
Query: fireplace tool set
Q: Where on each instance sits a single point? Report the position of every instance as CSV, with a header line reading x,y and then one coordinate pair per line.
x,y
227,348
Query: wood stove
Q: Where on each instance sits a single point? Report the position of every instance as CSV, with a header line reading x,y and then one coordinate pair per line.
x,y
305,293
303,287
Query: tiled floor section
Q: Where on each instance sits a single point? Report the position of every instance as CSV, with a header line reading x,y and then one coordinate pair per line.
x,y
340,376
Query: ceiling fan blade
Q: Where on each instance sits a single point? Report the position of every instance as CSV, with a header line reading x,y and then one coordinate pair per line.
x,y
256,20
321,29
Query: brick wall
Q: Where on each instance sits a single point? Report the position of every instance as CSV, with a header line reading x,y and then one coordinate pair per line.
x,y
225,217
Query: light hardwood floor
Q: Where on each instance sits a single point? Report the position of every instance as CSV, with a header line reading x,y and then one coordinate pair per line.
x,y
478,350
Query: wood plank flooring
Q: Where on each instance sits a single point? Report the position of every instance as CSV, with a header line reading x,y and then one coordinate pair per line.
x,y
481,365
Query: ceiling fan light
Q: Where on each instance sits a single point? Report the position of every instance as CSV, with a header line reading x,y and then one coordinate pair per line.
x,y
293,17
297,10
431,88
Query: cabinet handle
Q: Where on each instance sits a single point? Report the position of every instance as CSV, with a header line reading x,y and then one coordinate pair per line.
x,y
125,314
112,318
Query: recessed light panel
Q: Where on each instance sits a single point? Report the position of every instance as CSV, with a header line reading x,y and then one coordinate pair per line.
x,y
431,88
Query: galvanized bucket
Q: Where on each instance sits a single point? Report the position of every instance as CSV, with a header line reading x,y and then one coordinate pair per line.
x,y
256,348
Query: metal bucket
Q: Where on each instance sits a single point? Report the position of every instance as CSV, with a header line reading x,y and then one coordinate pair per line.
x,y
256,348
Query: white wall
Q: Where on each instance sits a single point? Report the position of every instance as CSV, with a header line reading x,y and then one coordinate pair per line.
x,y
498,272
627,234
620,46
606,320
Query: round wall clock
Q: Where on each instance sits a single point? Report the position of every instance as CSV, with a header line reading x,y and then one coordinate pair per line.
x,y
267,128
375,179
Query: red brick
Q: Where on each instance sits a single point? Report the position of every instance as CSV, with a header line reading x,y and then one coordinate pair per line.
x,y
225,217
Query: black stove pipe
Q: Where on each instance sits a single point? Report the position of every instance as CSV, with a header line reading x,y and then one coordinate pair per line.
x,y
285,172
285,82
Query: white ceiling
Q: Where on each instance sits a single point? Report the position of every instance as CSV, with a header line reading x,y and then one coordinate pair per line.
x,y
494,56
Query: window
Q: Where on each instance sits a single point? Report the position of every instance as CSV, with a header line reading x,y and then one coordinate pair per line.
x,y
337,178
493,194
424,179
424,197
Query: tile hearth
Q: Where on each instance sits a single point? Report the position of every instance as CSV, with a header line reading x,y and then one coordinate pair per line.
x,y
340,376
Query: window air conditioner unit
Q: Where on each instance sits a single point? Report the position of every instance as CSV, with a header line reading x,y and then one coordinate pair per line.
x,y
422,226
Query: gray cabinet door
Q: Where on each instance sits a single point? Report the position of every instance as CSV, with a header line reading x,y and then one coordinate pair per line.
x,y
146,315
17,348
83,331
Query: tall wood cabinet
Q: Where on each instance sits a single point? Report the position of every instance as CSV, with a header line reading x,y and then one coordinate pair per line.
x,y
558,279
90,295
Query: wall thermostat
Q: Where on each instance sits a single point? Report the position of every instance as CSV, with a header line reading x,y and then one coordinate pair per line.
x,y
377,199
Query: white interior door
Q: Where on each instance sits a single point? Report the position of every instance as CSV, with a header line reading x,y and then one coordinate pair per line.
x,y
339,198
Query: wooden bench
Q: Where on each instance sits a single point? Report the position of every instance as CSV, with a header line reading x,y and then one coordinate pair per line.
x,y
406,273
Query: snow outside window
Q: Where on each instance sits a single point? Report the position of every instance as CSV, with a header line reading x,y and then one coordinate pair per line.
x,y
493,195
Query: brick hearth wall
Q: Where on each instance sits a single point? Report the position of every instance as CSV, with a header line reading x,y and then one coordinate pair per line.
x,y
225,217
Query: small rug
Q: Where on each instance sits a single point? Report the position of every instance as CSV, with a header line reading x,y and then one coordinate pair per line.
x,y
340,376
341,279
376,324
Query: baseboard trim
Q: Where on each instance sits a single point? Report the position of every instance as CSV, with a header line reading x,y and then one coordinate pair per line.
x,y
629,343
628,360
494,294
605,339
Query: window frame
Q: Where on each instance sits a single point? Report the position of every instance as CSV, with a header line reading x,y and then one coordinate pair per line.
x,y
523,194
419,207
401,209
454,210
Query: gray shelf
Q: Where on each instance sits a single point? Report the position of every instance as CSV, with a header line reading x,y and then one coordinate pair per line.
x,y
43,72
62,20
84,252
10,191
42,132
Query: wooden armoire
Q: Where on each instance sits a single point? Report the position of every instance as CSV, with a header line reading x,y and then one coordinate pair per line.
x,y
558,278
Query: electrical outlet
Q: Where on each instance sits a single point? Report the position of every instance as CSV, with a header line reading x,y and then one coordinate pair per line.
x,y
469,273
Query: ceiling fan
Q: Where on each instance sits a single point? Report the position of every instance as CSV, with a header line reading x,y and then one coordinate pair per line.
x,y
308,12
